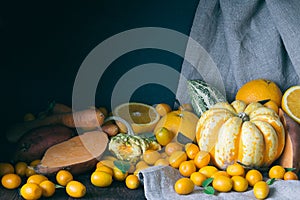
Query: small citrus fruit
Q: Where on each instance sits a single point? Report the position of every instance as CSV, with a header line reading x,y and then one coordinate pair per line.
x,y
36,178
63,177
186,107
6,168
235,170
151,156
253,176
104,169
208,170
191,150
222,183
108,163
186,168
261,190
119,175
48,188
11,181
31,191
177,158
240,184
75,189
258,90
20,168
34,162
162,162
198,178
28,117
289,175
184,186
172,147
202,159
101,179
29,171
164,136
162,109
277,172
140,164
132,181
219,173
290,102
272,105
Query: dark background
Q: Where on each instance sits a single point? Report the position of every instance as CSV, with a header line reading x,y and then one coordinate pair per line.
x,y
43,44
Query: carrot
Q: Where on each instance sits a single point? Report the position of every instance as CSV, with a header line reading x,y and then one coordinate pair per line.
x,y
79,119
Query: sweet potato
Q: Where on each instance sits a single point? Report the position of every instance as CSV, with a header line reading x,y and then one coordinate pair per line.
x,y
85,119
78,154
290,157
35,142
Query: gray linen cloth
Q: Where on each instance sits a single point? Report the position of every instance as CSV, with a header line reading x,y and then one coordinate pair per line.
x,y
246,40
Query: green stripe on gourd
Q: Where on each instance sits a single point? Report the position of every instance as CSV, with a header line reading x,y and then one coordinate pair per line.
x,y
203,95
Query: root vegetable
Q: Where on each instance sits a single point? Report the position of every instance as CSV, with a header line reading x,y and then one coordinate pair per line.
x,y
78,154
110,129
81,119
34,143
290,157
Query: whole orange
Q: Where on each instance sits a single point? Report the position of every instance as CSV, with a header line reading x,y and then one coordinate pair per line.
x,y
259,89
186,168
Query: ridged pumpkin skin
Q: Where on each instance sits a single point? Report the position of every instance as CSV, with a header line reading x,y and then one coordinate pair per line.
x,y
250,134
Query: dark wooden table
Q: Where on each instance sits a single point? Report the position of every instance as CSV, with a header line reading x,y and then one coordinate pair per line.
x,y
117,190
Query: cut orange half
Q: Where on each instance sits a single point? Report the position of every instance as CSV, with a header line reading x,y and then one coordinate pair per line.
x,y
142,117
291,102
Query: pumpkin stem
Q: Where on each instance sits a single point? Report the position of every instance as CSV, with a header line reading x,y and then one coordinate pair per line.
x,y
243,116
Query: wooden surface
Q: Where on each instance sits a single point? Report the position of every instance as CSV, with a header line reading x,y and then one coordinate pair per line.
x,y
117,190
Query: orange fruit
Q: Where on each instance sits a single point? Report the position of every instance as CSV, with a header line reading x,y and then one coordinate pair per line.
x,y
172,147
140,164
141,117
108,163
151,156
277,172
258,90
11,181
119,175
208,170
240,184
34,162
31,191
261,190
75,189
219,173
20,168
272,105
36,178
290,102
191,150
253,176
162,162
29,171
186,168
6,168
104,169
163,136
202,158
179,122
235,170
184,186
101,179
132,182
48,188
63,177
290,176
198,178
222,183
177,158
162,109
137,170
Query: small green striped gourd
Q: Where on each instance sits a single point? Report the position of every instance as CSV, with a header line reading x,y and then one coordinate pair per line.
x,y
203,95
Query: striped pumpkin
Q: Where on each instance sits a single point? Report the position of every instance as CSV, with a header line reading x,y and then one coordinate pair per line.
x,y
203,95
250,134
